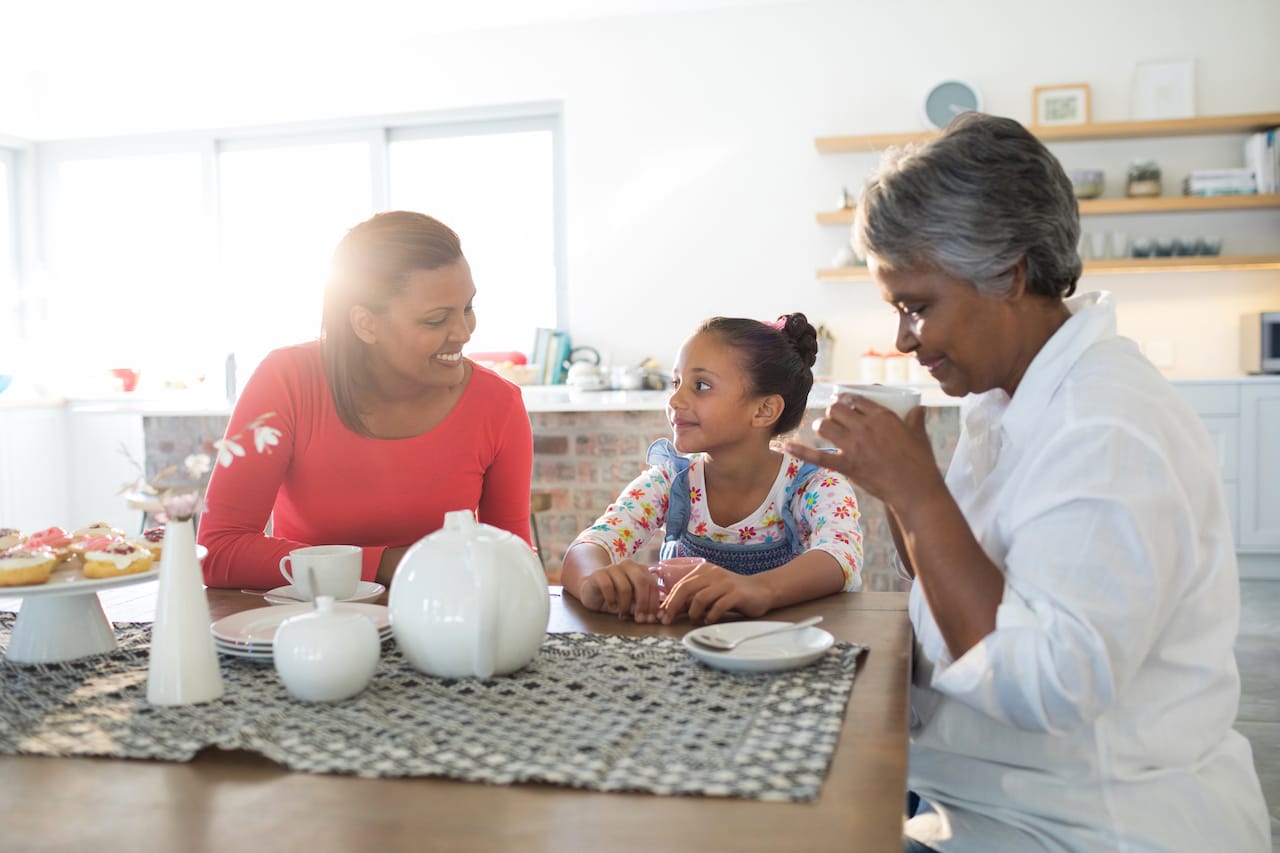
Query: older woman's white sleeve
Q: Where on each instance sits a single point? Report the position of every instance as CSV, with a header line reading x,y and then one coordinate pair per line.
x,y
1094,539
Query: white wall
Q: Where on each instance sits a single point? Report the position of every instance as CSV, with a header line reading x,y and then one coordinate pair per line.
x,y
692,175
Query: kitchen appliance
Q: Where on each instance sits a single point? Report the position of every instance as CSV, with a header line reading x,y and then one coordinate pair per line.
x,y
1260,342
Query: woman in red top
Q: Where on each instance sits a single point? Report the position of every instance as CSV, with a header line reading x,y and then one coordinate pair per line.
x,y
384,425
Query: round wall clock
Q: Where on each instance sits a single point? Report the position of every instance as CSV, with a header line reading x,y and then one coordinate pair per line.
x,y
948,99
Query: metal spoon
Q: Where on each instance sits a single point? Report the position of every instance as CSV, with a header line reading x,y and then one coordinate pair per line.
x,y
714,641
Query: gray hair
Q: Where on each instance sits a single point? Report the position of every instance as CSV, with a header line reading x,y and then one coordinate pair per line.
x,y
974,203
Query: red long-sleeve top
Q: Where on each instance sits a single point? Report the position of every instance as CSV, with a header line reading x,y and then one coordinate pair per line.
x,y
323,484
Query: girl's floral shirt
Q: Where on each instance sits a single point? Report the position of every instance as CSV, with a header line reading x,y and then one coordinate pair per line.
x,y
825,512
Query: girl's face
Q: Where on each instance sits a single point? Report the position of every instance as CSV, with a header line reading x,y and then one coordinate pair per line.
x,y
417,342
710,405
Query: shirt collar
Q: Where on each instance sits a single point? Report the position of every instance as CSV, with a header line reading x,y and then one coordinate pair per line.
x,y
1093,318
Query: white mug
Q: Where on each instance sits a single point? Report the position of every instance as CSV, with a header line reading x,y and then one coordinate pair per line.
x,y
335,569
897,399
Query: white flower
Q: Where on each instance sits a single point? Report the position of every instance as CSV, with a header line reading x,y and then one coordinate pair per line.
x,y
264,437
228,449
163,498
182,505
197,465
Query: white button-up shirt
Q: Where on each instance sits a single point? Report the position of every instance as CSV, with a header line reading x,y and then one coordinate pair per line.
x,y
1098,714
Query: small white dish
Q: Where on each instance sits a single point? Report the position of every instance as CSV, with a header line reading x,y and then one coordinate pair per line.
x,y
288,594
774,653
258,626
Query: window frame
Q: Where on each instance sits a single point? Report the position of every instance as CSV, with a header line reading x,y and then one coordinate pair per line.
x,y
379,131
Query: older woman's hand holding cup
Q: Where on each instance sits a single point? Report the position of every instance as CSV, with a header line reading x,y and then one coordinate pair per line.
x,y
879,437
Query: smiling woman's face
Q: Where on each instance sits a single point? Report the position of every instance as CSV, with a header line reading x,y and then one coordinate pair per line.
x,y
418,340
968,342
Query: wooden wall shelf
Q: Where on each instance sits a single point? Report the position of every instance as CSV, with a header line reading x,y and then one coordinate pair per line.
x,y
1201,126
1109,206
1118,266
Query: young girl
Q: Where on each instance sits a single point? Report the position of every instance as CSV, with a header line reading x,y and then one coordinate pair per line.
x,y
772,530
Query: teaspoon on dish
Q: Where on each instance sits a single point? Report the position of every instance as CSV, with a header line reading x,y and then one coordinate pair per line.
x,y
711,640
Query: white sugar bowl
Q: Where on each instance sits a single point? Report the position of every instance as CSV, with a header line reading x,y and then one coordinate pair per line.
x,y
326,655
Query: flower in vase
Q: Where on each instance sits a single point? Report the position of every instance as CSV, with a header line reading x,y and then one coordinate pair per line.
x,y
178,491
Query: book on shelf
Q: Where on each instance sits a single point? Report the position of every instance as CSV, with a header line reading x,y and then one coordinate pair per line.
x,y
1220,182
1262,158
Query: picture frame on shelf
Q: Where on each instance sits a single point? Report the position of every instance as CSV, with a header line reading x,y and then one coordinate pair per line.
x,y
1164,90
1065,104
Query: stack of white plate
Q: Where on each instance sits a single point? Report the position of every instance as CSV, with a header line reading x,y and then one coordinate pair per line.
x,y
249,633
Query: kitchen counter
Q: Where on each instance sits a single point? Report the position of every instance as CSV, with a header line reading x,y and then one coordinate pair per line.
x,y
537,398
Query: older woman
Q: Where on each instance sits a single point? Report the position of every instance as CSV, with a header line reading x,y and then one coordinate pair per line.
x,y
385,425
1075,594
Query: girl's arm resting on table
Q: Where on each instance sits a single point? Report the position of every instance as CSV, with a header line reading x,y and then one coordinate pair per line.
x,y
710,591
626,587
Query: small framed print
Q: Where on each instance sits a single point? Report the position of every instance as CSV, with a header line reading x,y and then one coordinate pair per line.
x,y
1059,105
1164,90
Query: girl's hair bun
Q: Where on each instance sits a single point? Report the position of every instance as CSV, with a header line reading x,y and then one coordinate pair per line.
x,y
803,336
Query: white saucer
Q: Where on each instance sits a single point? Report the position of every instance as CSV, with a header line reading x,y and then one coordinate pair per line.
x,y
365,591
261,653
258,626
774,653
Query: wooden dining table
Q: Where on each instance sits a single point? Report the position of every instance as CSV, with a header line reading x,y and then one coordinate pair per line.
x,y
240,801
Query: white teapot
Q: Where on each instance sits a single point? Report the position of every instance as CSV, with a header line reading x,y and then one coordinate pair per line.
x,y
469,600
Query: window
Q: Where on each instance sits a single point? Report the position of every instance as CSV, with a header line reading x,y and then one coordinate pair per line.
x,y
497,190
282,208
127,260
166,253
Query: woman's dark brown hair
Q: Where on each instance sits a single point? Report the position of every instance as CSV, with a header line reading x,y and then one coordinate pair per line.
x,y
371,266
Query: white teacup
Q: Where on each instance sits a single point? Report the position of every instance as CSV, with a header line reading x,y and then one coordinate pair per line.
x,y
897,399
334,569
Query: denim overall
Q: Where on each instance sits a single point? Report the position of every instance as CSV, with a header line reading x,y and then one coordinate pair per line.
x,y
739,559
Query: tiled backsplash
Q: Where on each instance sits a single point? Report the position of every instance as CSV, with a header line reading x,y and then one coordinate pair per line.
x,y
582,460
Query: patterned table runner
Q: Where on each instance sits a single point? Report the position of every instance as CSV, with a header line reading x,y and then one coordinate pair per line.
x,y
591,711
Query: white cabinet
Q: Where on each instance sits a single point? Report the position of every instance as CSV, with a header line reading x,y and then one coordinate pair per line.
x,y
1243,419
33,470
97,466
1259,467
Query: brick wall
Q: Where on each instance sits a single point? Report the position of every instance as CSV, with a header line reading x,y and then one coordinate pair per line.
x,y
582,460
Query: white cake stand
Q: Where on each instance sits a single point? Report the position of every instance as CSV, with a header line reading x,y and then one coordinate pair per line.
x,y
63,619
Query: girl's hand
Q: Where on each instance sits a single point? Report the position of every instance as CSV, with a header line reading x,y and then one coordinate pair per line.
x,y
877,450
626,588
710,591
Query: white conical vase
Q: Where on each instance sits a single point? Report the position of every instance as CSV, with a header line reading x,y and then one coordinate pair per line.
x,y
184,664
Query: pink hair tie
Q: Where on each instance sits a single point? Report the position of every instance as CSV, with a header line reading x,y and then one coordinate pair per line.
x,y
779,324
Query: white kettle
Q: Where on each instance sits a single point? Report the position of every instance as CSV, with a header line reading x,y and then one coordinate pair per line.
x,y
469,600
